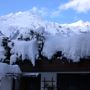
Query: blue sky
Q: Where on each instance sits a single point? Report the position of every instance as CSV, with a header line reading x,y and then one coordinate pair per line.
x,y
62,11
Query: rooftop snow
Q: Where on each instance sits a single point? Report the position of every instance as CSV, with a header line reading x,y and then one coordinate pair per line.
x,y
8,69
25,50
73,46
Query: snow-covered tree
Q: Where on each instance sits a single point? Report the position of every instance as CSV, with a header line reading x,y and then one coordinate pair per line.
x,y
7,49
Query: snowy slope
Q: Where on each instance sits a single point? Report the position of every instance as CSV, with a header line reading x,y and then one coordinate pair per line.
x,y
15,21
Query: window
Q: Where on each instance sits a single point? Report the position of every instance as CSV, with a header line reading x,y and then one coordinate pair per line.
x,y
49,84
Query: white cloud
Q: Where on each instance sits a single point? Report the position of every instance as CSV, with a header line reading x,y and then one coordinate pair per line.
x,y
44,12
78,5
41,11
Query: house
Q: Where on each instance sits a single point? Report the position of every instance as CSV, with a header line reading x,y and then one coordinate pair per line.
x,y
63,62
46,61
49,75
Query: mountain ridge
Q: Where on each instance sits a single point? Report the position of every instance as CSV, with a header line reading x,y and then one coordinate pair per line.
x,y
21,21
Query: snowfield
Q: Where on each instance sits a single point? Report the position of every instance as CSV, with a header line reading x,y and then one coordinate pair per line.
x,y
30,36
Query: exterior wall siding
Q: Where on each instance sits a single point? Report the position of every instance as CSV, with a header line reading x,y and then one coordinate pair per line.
x,y
6,83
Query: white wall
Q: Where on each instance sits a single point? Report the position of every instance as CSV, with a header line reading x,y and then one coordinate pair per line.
x,y
6,83
48,77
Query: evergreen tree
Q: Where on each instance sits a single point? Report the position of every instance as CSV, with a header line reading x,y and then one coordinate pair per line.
x,y
7,49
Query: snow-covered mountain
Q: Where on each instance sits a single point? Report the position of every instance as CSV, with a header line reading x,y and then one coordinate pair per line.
x,y
9,24
14,24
